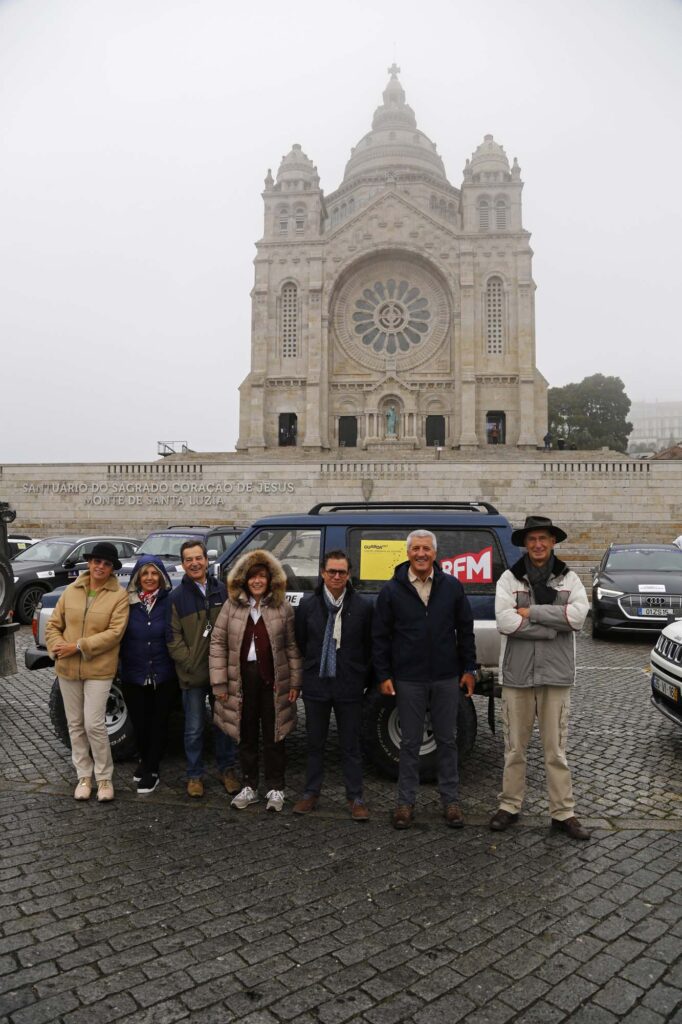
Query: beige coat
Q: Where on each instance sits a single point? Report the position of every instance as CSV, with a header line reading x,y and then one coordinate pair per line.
x,y
226,643
99,629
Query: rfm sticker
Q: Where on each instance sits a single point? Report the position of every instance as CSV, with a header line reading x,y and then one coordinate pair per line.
x,y
471,567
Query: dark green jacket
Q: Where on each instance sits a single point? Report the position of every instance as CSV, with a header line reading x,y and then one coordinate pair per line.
x,y
187,618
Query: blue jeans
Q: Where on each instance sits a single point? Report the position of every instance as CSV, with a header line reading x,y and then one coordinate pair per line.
x,y
413,700
194,706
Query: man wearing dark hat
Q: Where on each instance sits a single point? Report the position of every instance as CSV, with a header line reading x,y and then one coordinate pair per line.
x,y
540,605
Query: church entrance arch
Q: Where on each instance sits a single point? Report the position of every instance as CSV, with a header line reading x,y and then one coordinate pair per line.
x,y
348,432
496,427
435,431
288,429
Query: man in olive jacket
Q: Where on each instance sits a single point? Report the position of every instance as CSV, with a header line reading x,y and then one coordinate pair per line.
x,y
193,608
334,636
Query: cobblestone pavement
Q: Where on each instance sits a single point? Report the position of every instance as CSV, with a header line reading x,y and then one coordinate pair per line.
x,y
157,909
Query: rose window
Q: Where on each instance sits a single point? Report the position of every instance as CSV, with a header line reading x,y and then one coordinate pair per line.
x,y
391,316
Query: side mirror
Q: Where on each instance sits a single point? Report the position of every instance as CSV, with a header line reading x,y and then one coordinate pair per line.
x,y
212,554
68,564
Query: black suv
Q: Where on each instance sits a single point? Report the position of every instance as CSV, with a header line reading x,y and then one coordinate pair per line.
x,y
637,587
52,563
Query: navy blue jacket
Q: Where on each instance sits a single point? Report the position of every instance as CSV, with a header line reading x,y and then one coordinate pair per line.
x,y
414,641
353,657
144,654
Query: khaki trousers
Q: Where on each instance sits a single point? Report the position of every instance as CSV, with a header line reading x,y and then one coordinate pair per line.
x,y
520,707
85,703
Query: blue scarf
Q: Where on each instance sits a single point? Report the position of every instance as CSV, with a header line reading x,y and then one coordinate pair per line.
x,y
328,659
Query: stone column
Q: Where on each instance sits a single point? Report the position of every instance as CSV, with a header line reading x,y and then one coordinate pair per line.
x,y
526,343
468,437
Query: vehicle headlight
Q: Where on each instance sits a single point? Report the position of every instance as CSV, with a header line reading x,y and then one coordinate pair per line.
x,y
602,592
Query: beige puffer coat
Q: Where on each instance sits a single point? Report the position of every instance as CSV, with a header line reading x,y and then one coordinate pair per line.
x,y
99,629
226,643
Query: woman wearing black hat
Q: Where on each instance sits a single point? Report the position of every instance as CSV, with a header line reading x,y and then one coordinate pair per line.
x,y
83,636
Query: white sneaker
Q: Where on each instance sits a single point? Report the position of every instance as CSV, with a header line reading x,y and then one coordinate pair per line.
x,y
275,800
244,798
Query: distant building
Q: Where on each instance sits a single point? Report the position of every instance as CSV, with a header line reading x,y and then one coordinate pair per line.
x,y
398,311
655,425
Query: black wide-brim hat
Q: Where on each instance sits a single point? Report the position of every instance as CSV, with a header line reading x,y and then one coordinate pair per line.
x,y
103,549
537,523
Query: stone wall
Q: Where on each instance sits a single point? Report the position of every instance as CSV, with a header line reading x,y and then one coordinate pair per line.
x,y
596,499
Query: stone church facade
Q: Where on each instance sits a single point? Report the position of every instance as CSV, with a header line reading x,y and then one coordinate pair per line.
x,y
398,311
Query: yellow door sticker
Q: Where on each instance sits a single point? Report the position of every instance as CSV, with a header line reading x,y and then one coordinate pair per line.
x,y
378,558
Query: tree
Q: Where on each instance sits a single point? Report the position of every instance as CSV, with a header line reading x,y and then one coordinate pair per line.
x,y
591,414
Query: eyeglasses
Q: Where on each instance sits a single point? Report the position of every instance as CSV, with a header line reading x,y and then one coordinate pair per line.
x,y
336,572
102,561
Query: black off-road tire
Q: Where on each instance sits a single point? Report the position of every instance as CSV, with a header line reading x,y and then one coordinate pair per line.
x,y
119,722
381,736
6,588
26,602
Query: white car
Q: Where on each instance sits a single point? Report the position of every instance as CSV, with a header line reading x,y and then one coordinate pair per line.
x,y
666,673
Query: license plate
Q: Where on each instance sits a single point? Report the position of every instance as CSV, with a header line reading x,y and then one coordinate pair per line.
x,y
667,689
658,613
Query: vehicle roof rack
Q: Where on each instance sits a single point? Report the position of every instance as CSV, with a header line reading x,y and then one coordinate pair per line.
x,y
368,506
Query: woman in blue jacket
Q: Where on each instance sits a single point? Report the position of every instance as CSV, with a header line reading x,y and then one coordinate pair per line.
x,y
147,670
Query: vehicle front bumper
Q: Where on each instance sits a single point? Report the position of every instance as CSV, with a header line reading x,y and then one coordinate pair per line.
x,y
667,674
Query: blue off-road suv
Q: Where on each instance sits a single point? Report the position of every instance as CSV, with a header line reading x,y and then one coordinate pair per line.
x,y
474,544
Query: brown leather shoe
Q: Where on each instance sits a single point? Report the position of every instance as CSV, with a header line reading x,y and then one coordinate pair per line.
x,y
231,782
572,828
306,804
453,816
359,811
501,820
403,816
195,787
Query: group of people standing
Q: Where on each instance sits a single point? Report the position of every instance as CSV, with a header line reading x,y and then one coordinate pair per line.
x,y
246,650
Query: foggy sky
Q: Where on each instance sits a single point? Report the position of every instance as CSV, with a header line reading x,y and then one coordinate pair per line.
x,y
135,136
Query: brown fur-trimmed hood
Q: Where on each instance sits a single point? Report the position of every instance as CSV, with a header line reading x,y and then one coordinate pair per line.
x,y
236,581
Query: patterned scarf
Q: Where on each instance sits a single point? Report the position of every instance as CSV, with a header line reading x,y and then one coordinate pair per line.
x,y
148,598
332,635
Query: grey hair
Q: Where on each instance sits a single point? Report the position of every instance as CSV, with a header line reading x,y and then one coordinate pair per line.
x,y
422,533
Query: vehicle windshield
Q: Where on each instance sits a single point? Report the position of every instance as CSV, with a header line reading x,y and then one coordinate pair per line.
x,y
48,551
643,559
165,544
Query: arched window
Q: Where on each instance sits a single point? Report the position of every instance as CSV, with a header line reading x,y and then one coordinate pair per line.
x,y
483,215
494,316
283,219
433,203
501,215
289,314
299,216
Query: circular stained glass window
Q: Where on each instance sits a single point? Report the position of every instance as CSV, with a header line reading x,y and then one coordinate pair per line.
x,y
391,316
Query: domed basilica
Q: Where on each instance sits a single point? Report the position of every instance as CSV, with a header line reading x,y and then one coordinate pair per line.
x,y
397,312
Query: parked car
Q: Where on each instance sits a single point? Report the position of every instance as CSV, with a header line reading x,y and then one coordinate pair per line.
x,y
666,673
19,542
474,544
636,587
53,562
167,543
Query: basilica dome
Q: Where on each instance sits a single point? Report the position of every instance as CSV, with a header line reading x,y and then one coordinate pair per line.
x,y
395,143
